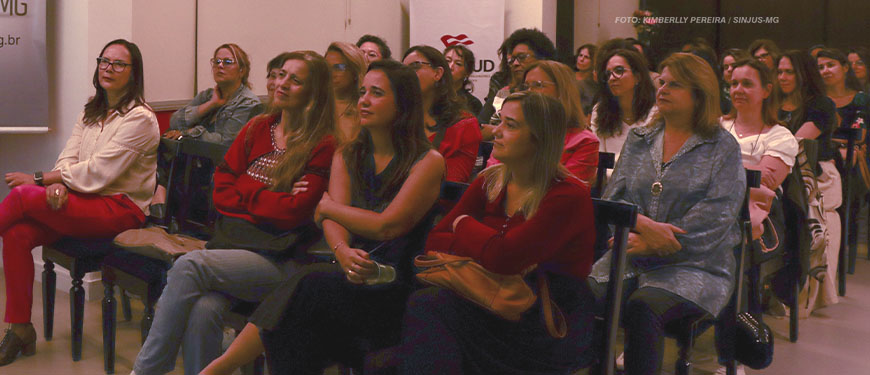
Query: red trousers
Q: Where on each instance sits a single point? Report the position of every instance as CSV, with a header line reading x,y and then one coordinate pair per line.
x,y
26,221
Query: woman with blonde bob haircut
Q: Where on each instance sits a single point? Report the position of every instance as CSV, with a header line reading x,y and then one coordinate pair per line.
x,y
580,146
678,170
527,211
348,67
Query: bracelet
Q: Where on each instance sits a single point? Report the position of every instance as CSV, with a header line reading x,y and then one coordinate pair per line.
x,y
335,248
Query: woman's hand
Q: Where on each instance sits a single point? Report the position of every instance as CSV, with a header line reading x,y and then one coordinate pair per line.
x,y
172,134
636,245
14,179
659,237
356,264
56,196
217,98
299,187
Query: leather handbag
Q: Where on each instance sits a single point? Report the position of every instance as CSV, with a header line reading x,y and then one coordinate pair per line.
x,y
754,342
507,296
154,242
235,233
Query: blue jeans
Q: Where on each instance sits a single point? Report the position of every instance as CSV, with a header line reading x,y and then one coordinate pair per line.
x,y
200,289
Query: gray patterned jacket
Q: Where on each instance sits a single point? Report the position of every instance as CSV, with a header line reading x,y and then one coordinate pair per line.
x,y
221,125
702,192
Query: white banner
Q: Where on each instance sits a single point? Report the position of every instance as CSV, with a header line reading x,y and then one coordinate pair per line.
x,y
478,24
23,67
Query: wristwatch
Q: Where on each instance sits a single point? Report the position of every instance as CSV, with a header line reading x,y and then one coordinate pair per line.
x,y
37,177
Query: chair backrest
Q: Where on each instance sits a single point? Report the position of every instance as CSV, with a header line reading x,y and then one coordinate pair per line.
x,y
606,160
452,191
192,150
623,216
753,180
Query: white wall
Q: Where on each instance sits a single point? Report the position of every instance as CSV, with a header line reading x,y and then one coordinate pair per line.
x,y
594,20
165,30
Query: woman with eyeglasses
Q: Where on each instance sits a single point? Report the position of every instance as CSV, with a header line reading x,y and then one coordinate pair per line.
x,y
627,98
376,213
522,48
454,133
374,48
554,79
764,50
348,66
267,187
461,61
685,173
218,113
100,186
858,58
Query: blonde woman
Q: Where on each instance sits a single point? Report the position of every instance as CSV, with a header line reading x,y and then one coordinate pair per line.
x,y
348,66
528,210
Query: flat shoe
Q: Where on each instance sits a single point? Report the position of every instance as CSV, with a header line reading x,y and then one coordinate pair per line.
x,y
12,345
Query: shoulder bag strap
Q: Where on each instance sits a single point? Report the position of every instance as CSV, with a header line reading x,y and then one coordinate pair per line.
x,y
553,317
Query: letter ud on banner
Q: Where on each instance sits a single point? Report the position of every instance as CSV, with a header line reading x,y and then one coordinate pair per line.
x,y
478,24
23,67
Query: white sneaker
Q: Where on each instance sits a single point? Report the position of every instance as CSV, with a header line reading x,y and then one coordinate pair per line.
x,y
620,362
723,371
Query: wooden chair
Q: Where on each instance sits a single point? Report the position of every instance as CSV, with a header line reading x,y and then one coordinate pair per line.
x,y
847,253
606,160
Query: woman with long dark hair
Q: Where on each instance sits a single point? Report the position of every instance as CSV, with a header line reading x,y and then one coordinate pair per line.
x,y
375,217
858,59
627,98
461,61
584,67
454,132
101,185
268,184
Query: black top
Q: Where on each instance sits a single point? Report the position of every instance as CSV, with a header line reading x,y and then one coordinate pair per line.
x,y
473,103
821,112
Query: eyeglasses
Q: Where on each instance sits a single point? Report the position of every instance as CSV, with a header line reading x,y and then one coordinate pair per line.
x,y
339,67
417,65
117,66
521,57
225,62
617,72
528,85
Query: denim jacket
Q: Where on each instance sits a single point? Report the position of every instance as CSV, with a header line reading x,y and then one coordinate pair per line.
x,y
702,189
221,125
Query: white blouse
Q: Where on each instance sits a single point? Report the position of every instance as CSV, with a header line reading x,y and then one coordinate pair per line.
x,y
777,142
117,156
614,143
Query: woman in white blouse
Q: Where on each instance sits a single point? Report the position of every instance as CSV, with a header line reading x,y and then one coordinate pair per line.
x,y
764,145
100,186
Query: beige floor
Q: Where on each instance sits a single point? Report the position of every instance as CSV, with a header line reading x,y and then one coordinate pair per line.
x,y
833,341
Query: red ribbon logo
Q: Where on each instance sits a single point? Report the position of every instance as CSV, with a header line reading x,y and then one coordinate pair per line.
x,y
450,40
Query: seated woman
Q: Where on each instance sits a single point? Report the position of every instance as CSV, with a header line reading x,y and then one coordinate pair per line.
x,y
217,114
627,98
348,66
554,79
382,186
858,58
273,69
729,57
678,169
583,65
461,60
254,190
100,186
527,211
374,48
453,132
810,114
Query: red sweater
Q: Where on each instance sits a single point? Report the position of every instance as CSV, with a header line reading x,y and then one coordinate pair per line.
x,y
560,237
237,194
459,148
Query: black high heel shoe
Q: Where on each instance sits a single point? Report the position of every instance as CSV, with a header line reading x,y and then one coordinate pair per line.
x,y
12,344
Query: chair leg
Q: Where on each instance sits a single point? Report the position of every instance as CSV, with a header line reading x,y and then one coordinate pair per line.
x,y
109,326
793,313
853,248
260,365
48,284
77,313
147,320
125,306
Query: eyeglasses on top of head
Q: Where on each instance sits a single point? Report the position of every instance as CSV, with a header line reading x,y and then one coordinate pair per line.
x,y
117,65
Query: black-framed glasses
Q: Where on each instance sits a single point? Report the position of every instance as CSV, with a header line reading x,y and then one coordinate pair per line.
x,y
117,65
417,65
521,57
225,62
617,72
528,85
339,67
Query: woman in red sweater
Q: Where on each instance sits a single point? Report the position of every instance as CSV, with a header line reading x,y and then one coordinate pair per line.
x,y
453,132
527,211
255,192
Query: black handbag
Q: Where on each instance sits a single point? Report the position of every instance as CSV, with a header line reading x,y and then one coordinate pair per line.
x,y
235,233
754,342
